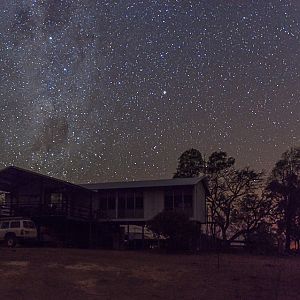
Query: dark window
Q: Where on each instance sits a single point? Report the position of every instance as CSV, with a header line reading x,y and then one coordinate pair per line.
x,y
168,200
111,204
188,200
4,225
28,224
130,205
15,224
178,201
122,202
139,201
130,201
103,202
121,205
56,200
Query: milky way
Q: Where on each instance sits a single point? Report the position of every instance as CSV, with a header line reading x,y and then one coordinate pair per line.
x,y
115,90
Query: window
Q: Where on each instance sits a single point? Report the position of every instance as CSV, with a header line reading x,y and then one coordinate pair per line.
x,y
188,200
179,200
28,224
103,202
121,205
15,224
56,200
178,203
107,205
4,225
169,205
130,201
111,201
139,201
130,204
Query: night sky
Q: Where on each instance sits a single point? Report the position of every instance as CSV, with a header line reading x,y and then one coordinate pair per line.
x,y
117,90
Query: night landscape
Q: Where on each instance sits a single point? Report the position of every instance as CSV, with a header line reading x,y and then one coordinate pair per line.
x,y
150,149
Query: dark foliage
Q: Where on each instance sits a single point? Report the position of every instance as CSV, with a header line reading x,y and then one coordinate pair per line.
x,y
262,240
176,228
284,189
190,164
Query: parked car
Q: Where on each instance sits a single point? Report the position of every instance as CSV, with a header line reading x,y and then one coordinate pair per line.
x,y
13,230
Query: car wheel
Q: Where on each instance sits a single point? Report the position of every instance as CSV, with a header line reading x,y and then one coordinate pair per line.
x,y
11,241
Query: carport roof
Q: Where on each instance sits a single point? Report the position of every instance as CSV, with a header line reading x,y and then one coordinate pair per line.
x,y
11,177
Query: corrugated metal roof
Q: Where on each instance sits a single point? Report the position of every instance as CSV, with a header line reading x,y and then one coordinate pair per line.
x,y
10,175
143,184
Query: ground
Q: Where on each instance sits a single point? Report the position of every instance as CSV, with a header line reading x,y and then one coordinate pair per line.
x,y
41,273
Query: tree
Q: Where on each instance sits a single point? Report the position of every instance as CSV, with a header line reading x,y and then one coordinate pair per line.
x,y
262,240
252,211
190,164
175,227
217,166
284,189
235,206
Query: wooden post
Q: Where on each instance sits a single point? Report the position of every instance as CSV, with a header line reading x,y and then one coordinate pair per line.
x,y
127,234
42,197
66,237
90,223
143,236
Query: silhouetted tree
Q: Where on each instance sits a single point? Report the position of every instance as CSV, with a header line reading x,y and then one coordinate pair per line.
x,y
216,167
252,211
284,188
262,240
235,206
190,164
175,227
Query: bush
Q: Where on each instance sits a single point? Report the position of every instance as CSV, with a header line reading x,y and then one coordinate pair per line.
x,y
262,241
176,228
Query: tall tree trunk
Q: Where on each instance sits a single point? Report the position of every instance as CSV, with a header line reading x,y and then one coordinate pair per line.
x,y
224,235
288,221
288,236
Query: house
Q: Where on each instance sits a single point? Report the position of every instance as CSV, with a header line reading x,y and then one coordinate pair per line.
x,y
136,202
80,212
61,207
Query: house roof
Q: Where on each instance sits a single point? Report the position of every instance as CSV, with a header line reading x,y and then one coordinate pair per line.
x,y
12,176
146,183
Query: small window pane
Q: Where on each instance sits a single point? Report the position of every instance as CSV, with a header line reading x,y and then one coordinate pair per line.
x,y
122,202
130,201
111,201
178,201
139,203
4,225
28,224
169,200
103,202
56,200
188,201
15,224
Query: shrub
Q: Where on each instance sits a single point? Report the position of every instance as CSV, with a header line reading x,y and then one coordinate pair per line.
x,y
176,228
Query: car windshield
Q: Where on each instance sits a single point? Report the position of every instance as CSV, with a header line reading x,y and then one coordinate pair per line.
x,y
28,224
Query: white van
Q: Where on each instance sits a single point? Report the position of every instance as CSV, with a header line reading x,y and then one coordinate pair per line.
x,y
13,230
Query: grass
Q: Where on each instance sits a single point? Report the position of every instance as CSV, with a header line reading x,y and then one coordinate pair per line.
x,y
41,273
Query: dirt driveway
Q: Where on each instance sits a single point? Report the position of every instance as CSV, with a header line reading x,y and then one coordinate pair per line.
x,y
41,273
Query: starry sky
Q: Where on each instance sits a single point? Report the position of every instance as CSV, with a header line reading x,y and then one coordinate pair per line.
x,y
117,90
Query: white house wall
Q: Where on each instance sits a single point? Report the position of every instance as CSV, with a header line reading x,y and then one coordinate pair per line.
x,y
199,203
153,203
